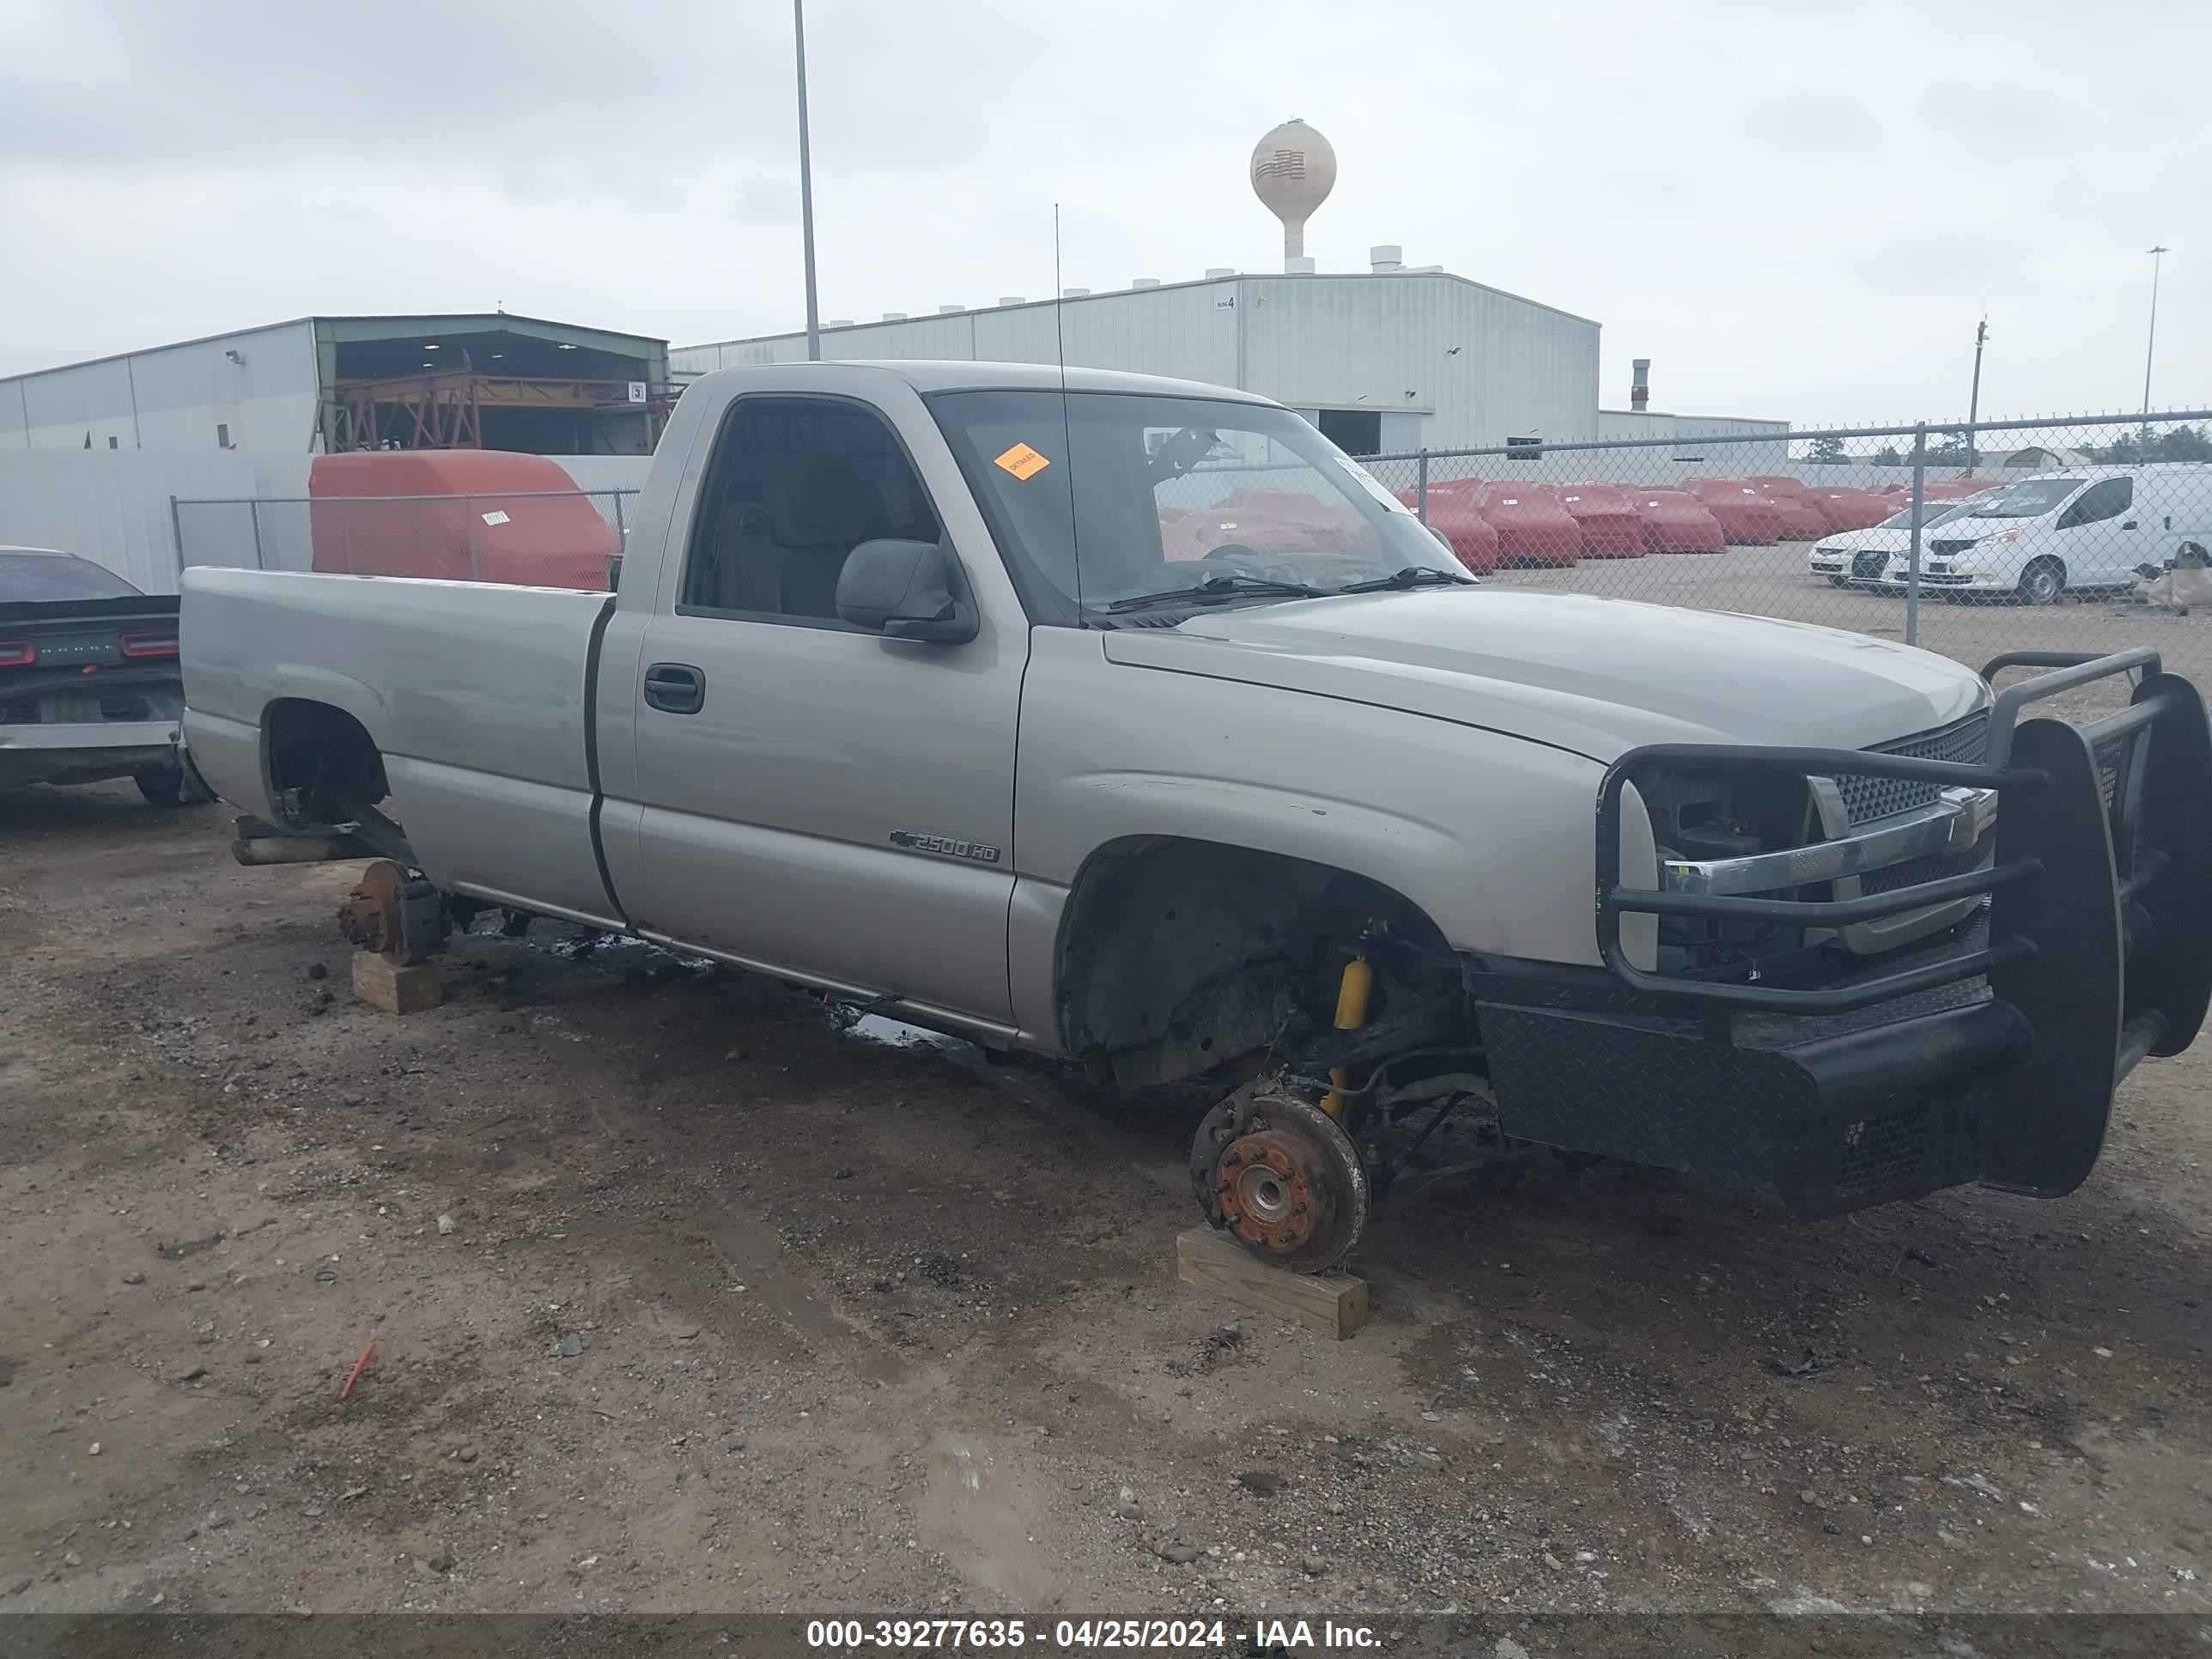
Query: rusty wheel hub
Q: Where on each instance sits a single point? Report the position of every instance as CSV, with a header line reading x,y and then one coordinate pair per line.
x,y
1272,1190
369,918
1280,1176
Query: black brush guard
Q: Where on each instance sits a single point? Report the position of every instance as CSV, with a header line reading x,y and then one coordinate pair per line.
x,y
1990,1055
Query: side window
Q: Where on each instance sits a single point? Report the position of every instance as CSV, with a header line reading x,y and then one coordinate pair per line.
x,y
793,485
2106,499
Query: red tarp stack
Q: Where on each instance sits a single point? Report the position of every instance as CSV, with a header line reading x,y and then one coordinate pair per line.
x,y
1675,521
1608,523
476,515
1746,517
1532,527
1849,509
1270,521
1455,514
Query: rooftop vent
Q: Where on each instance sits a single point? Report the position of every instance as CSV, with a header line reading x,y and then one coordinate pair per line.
x,y
1012,299
894,316
1073,293
1144,282
1213,271
1386,256
946,311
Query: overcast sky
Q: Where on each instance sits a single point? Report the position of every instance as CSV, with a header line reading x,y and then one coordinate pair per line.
x,y
1793,216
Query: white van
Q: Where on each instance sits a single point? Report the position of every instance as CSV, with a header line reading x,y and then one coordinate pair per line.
x,y
2087,527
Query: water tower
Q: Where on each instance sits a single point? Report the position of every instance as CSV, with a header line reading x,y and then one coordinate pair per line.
x,y
1293,170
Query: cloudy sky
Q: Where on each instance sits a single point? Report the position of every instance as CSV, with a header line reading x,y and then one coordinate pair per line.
x,y
1793,216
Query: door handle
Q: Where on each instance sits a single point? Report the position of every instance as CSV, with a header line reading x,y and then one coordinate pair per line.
x,y
674,688
2130,525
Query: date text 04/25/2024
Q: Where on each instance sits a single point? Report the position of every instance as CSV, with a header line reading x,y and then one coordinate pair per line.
x,y
1266,1636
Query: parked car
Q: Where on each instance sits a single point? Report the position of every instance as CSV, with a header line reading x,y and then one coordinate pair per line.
x,y
1607,518
1675,521
1359,840
1862,555
90,685
2084,529
1800,521
1455,517
1842,510
1747,519
1533,528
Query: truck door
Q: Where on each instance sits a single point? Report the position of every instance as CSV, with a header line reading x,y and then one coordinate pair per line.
x,y
811,797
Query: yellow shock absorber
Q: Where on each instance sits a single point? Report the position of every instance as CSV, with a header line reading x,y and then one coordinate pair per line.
x,y
1353,991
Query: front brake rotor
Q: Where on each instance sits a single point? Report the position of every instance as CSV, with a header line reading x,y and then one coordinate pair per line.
x,y
1283,1178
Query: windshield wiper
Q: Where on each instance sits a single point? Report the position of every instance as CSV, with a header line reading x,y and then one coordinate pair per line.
x,y
1413,575
1222,585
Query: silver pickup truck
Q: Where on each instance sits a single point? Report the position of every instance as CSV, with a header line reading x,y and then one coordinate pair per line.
x,y
1127,721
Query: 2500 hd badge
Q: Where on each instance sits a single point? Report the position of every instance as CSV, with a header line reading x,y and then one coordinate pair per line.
x,y
950,846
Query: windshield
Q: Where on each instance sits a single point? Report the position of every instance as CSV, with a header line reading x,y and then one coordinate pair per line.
x,y
41,576
1117,496
2031,498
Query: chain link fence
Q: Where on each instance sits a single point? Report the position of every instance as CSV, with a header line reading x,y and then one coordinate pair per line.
x,y
554,538
2075,534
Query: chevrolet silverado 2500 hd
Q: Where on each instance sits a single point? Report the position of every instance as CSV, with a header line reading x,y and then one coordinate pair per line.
x,y
917,689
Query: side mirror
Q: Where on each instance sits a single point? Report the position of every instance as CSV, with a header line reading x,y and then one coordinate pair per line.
x,y
907,590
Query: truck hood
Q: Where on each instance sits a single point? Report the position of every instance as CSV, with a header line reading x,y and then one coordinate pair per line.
x,y
1596,676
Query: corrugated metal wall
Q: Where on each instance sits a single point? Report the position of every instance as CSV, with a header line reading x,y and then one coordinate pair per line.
x,y
1470,365
173,397
113,507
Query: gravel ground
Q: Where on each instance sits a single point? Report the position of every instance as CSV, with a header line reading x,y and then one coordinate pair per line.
x,y
681,1296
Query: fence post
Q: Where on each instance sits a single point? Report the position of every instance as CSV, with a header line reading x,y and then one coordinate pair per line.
x,y
253,511
1912,567
1421,489
177,538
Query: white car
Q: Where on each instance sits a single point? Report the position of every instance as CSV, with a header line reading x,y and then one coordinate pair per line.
x,y
2089,527
1859,555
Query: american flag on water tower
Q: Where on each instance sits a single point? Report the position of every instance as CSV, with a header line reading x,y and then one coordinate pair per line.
x,y
1283,164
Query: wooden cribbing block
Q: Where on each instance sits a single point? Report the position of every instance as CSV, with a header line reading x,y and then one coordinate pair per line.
x,y
397,987
1335,1305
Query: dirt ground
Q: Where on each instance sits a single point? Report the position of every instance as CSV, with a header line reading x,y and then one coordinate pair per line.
x,y
683,1298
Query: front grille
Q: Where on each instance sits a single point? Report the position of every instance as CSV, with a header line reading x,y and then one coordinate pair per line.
x,y
1944,549
1866,798
1868,566
1882,1151
1931,866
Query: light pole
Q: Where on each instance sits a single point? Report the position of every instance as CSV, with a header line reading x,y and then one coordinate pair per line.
x,y
2157,258
1974,398
806,184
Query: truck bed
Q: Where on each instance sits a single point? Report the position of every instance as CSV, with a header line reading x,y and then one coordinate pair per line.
x,y
474,694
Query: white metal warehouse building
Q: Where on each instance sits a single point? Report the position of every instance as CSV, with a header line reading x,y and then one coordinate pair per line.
x,y
1382,361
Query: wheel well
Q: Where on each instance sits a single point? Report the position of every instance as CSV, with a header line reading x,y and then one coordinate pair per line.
x,y
1177,956
323,765
2046,558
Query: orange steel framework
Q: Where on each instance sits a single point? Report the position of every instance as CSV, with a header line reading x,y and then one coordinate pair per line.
x,y
444,410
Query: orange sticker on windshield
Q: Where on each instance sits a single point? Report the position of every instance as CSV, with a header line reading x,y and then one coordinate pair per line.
x,y
1021,461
